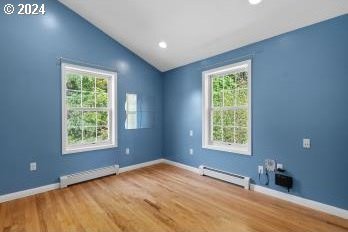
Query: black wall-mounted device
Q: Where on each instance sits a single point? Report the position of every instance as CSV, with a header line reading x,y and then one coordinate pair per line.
x,y
283,180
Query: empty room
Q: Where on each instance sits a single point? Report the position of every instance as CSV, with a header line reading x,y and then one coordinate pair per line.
x,y
163,115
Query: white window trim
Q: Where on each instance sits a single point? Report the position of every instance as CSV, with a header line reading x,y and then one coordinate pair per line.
x,y
244,150
113,106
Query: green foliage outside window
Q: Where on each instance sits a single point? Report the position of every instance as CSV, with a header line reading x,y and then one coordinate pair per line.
x,y
228,118
87,92
230,109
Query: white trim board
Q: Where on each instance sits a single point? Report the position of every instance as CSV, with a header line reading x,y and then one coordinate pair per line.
x,y
140,165
46,188
343,213
180,165
28,192
301,201
257,188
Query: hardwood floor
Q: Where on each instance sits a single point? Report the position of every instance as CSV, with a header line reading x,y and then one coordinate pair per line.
x,y
160,198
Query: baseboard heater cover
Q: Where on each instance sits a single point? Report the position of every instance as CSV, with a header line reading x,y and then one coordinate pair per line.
x,y
225,176
75,178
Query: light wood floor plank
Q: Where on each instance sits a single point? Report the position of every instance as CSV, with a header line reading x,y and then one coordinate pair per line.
x,y
160,198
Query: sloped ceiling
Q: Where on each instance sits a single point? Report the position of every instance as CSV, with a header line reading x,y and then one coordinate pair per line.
x,y
197,29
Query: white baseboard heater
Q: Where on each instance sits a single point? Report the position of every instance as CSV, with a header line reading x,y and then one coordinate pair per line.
x,y
225,176
75,178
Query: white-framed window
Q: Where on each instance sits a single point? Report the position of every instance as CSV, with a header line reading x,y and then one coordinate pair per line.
x,y
88,109
227,108
131,107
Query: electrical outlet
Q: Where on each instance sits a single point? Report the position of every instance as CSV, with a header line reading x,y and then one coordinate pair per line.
x,y
191,133
260,169
306,143
191,151
127,151
280,166
33,166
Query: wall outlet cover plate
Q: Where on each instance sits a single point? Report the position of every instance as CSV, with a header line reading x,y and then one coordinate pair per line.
x,y
33,166
260,169
306,143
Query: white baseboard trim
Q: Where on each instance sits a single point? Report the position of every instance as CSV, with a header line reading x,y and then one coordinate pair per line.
x,y
46,188
257,188
301,201
343,213
140,165
28,192
180,165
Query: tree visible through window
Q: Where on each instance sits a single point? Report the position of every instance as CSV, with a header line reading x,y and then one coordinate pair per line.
x,y
88,115
227,107
230,98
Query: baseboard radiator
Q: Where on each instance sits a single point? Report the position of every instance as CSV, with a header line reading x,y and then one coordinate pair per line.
x,y
225,176
75,178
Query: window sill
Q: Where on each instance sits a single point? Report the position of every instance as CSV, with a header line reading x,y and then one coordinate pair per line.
x,y
242,151
67,151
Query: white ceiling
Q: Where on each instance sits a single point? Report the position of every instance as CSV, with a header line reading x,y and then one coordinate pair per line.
x,y
197,29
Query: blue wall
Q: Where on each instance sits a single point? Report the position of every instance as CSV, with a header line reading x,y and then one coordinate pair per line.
x,y
30,94
299,89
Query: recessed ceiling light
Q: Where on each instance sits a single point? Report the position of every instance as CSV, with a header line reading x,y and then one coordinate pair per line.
x,y
162,44
255,2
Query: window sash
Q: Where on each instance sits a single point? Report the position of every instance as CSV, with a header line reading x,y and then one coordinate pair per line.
x,y
234,126
225,108
80,73
96,126
89,109
97,74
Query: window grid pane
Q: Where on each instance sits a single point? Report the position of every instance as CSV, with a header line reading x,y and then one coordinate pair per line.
x,y
78,97
99,121
227,119
229,114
